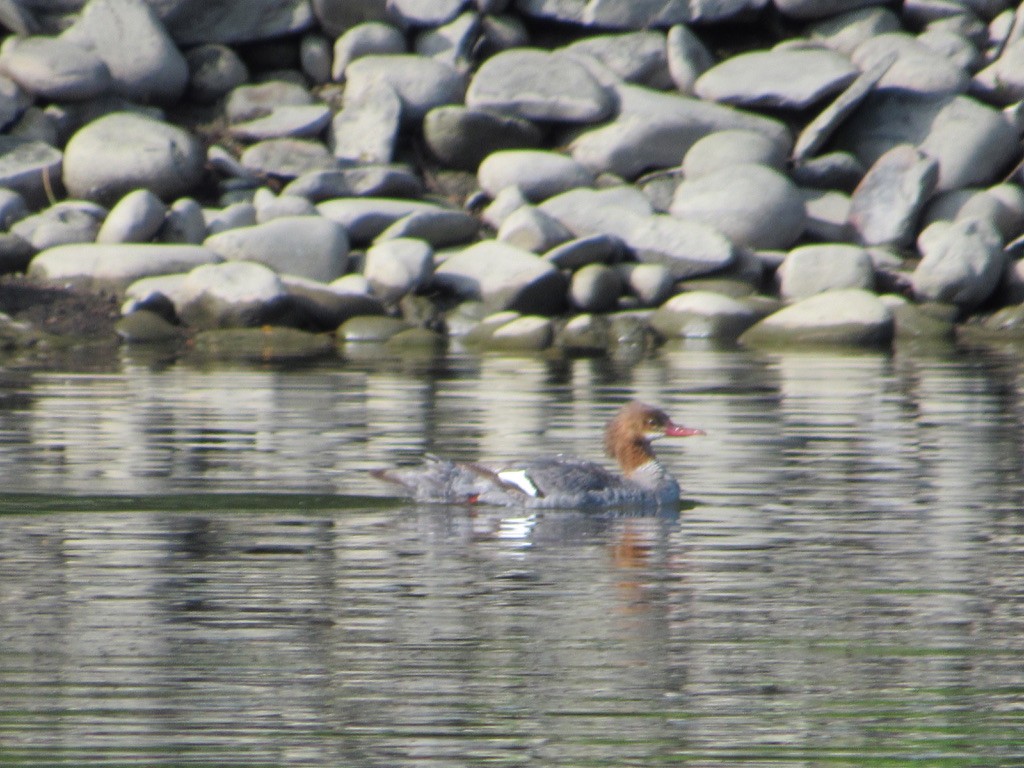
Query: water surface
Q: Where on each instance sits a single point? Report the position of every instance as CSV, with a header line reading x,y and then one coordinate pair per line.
x,y
195,567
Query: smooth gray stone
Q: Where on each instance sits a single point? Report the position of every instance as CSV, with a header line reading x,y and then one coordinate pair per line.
x,y
12,208
136,218
1002,81
279,206
306,246
962,263
703,315
461,137
813,269
654,130
688,57
123,151
532,230
249,102
591,249
305,121
230,294
13,101
828,216
819,9
843,32
753,205
425,13
421,83
638,14
539,85
452,43
886,204
364,218
585,333
595,288
504,204
366,127
848,317
228,21
118,264
71,221
17,19
832,170
315,58
323,308
15,253
1001,205
687,248
53,69
529,333
650,284
30,168
214,71
364,180
287,158
396,267
36,124
184,223
786,78
638,57
230,217
143,60
971,141
370,37
337,16
441,227
916,68
503,277
536,173
722,149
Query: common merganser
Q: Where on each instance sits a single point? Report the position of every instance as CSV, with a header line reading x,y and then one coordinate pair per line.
x,y
559,481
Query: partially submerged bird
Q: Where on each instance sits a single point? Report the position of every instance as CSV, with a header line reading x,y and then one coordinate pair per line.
x,y
559,481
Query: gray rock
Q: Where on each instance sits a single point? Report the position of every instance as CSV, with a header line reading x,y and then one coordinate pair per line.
x,y
370,37
17,19
336,16
849,317
366,127
590,249
595,288
752,205
688,57
13,101
886,204
529,333
687,248
832,170
584,333
12,208
66,222
226,21
30,168
817,9
371,330
638,57
306,246
813,269
843,32
116,265
504,204
828,216
639,14
703,315
420,82
136,218
321,307
1002,81
123,151
358,181
536,173
655,130
396,267
230,217
364,218
15,253
650,284
441,227
184,223
273,206
53,69
214,71
1001,205
971,141
503,277
287,158
424,13
232,294
315,57
788,78
451,43
248,102
532,230
300,121
539,85
962,263
916,68
735,147
461,137
142,59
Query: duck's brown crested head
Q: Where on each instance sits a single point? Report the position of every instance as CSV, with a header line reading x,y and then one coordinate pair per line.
x,y
627,438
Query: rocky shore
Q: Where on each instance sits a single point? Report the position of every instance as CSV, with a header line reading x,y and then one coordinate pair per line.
x,y
281,177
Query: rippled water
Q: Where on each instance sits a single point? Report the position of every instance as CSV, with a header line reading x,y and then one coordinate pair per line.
x,y
196,569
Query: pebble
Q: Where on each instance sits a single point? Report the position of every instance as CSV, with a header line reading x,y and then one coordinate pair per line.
x,y
396,267
962,263
366,128
461,137
813,269
228,295
214,71
287,158
441,227
723,149
54,69
371,37
298,121
886,204
420,82
136,218
184,223
529,333
364,218
32,169
595,288
703,315
533,230
537,174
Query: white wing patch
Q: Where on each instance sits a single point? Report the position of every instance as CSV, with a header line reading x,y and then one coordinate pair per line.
x,y
521,480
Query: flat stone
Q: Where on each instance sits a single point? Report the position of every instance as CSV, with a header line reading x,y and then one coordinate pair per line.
x,y
916,68
287,158
306,246
421,83
813,269
271,206
637,57
595,288
752,205
396,267
53,69
639,14
441,227
702,315
503,277
537,174
116,265
1003,79
225,21
124,151
366,127
539,85
136,218
304,121
214,71
589,249
253,101
452,43
532,230
30,168
357,181
370,37
584,333
962,264
66,222
844,31
887,203
144,62
722,149
1001,205
461,137
229,217
817,9
782,78
364,218
850,317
